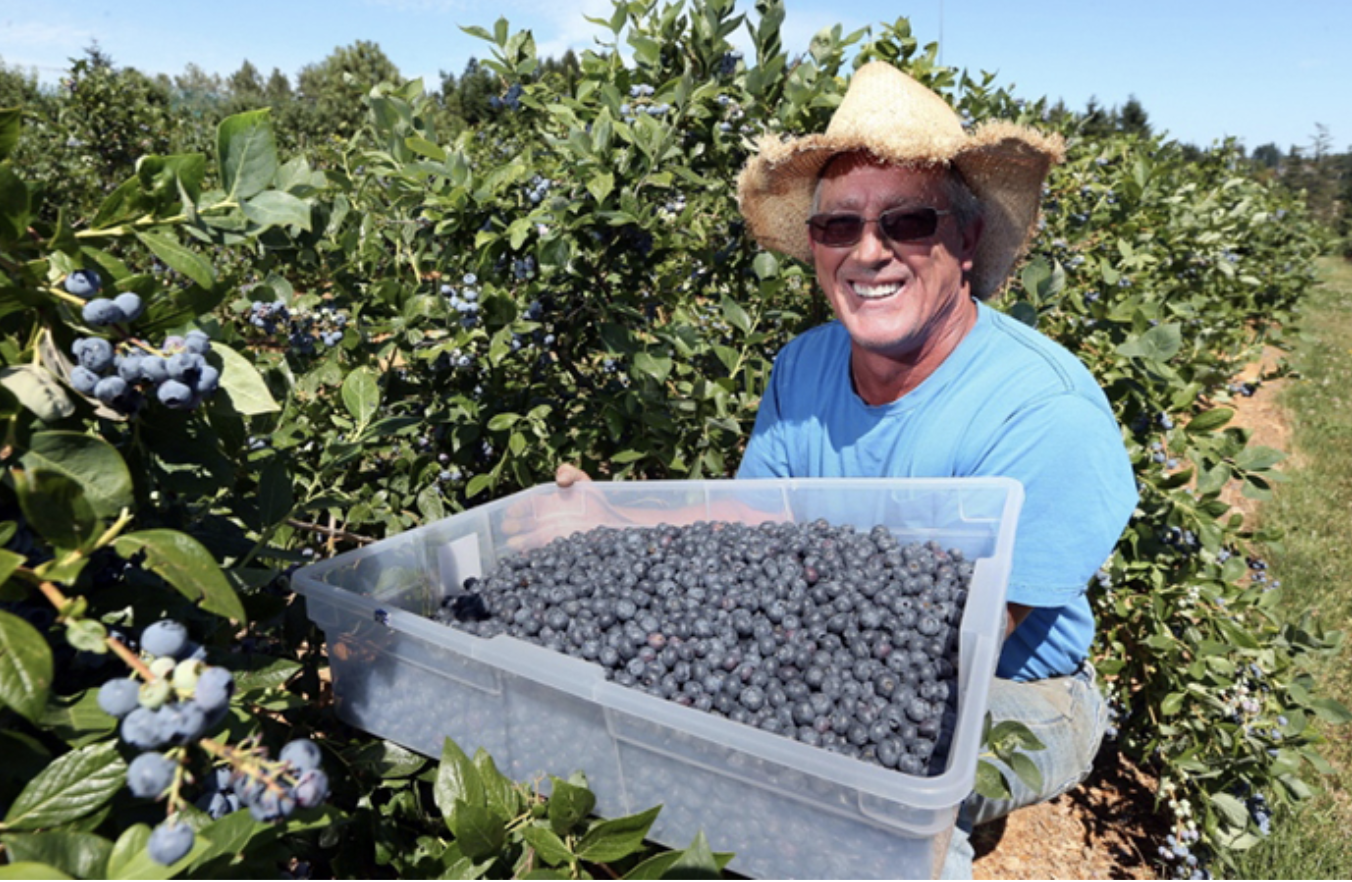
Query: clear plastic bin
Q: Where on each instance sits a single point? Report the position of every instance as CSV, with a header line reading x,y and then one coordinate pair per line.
x,y
787,809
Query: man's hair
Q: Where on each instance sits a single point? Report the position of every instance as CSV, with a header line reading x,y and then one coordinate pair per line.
x,y
962,201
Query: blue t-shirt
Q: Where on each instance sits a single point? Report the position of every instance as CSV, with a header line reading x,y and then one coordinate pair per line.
x,y
1007,401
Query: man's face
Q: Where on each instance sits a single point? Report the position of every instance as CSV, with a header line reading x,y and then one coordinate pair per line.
x,y
904,301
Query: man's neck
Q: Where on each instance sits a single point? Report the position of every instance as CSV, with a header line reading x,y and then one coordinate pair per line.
x,y
881,378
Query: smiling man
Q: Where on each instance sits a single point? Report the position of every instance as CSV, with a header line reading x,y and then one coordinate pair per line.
x,y
910,223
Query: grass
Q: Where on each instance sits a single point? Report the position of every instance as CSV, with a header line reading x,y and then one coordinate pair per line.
x,y
1313,510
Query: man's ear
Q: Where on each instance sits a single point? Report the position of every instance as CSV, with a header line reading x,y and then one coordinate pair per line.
x,y
970,237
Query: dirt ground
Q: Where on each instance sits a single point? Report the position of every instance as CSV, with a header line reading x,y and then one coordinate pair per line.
x,y
1106,828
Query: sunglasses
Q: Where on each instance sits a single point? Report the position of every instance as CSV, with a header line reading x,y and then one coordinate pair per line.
x,y
896,224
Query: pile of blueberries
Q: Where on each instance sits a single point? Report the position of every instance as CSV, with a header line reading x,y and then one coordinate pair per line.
x,y
182,700
840,638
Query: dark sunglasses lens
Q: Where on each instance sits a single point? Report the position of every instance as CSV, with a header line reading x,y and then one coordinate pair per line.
x,y
837,231
907,226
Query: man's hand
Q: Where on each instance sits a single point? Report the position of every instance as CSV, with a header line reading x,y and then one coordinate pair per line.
x,y
567,474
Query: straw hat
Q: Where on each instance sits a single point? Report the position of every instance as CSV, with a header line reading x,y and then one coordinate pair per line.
x,y
898,120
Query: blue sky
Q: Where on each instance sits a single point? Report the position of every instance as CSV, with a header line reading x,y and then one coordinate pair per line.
x,y
1203,69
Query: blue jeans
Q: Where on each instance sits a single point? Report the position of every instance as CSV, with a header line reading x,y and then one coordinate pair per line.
x,y
1069,716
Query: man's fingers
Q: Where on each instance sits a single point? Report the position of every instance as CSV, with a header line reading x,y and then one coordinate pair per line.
x,y
568,474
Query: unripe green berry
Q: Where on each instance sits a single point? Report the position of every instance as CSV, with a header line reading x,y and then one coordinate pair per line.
x,y
163,666
155,693
185,677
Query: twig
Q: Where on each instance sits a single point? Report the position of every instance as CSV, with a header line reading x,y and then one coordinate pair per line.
x,y
330,531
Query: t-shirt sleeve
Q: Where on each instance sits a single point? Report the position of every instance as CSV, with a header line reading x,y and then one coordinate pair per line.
x,y
1079,492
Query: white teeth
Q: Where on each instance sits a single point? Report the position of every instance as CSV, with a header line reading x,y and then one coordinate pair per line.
x,y
876,292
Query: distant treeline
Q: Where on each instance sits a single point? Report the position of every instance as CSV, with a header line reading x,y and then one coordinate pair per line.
x,y
127,113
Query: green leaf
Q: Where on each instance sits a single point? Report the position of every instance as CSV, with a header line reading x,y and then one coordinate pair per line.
x,y
1172,703
1330,710
500,792
616,838
1027,771
276,208
25,666
600,186
1013,734
15,205
72,786
11,123
361,394
551,849
1160,343
81,855
657,367
479,831
9,562
242,383
185,563
457,781
275,498
697,861
30,870
1229,806
180,258
569,804
1258,458
38,391
990,781
89,461
1209,421
735,315
247,153
56,508
765,265
424,147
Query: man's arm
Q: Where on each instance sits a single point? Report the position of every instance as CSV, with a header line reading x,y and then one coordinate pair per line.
x,y
1016,612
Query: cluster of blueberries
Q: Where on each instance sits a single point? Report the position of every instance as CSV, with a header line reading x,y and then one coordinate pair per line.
x,y
98,311
842,639
510,101
464,300
1177,850
538,189
302,328
180,702
178,372
727,65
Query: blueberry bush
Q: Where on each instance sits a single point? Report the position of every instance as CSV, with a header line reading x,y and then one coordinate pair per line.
x,y
219,363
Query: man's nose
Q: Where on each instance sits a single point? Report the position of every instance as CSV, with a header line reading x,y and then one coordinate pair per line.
x,y
872,247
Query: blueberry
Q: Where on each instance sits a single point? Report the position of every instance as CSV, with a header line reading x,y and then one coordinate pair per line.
x,y
83,379
215,685
154,368
83,283
150,774
110,390
302,753
101,311
130,305
119,696
94,353
197,341
165,638
170,842
175,394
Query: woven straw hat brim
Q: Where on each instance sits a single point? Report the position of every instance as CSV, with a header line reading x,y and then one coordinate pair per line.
x,y
898,121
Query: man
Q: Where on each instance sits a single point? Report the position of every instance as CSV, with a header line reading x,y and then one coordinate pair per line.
x,y
910,223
